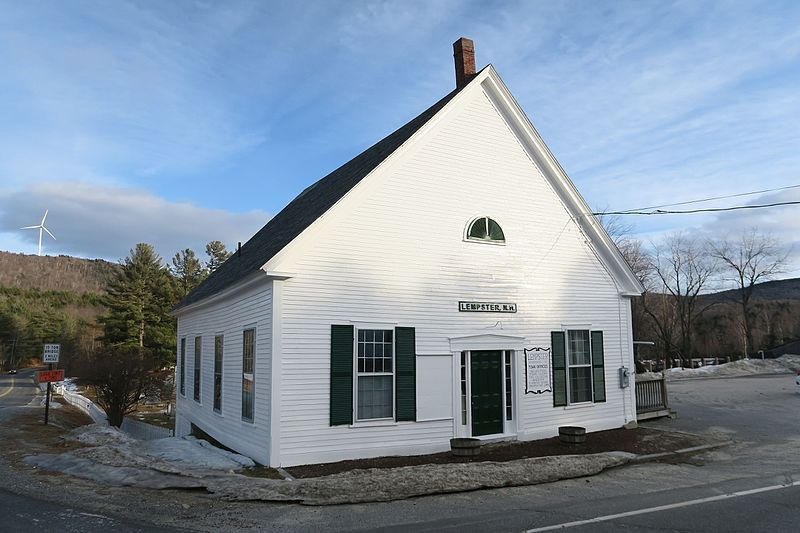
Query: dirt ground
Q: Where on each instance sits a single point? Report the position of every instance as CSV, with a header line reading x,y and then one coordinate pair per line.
x,y
642,441
25,434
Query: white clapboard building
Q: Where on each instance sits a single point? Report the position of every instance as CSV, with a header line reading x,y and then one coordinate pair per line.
x,y
449,281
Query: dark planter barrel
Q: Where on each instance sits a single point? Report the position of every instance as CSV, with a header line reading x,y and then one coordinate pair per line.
x,y
465,447
572,434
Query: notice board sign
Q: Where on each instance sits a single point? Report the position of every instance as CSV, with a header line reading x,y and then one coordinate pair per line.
x,y
51,353
46,376
537,371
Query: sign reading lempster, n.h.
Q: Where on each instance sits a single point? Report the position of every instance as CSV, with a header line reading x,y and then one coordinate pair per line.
x,y
51,352
487,307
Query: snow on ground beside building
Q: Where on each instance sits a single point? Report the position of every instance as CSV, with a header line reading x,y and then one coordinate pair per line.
x,y
115,458
743,367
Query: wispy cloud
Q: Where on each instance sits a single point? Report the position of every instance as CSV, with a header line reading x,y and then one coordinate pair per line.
x,y
240,105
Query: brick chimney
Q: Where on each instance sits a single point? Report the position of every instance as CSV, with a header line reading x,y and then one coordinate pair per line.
x,y
464,54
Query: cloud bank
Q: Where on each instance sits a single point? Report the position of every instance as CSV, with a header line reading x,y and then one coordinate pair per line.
x,y
107,221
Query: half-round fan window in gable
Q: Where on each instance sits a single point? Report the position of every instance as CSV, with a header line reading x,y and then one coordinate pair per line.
x,y
485,229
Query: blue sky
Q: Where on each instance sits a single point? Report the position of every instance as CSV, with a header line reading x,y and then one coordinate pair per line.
x,y
180,122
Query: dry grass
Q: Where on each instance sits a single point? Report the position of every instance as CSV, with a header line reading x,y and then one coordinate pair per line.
x,y
25,434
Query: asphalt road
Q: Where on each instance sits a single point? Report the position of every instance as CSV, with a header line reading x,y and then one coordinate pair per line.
x,y
16,390
23,513
749,486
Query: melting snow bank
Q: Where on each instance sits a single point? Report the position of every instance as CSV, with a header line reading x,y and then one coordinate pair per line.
x,y
743,367
113,458
387,484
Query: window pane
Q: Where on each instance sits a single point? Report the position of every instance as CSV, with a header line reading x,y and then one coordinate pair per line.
x,y
198,343
579,347
374,397
375,351
495,233
580,384
248,364
183,366
247,399
218,372
478,229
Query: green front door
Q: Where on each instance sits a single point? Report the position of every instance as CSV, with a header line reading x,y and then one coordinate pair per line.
x,y
487,393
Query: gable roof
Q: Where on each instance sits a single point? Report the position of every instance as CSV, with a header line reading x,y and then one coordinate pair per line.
x,y
306,208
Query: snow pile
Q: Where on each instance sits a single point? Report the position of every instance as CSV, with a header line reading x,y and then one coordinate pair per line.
x,y
195,452
97,435
743,367
115,458
69,384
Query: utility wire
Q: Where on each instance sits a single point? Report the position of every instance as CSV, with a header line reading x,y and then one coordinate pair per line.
x,y
707,199
689,211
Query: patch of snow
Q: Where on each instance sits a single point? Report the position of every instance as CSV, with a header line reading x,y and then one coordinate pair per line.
x,y
69,384
644,376
195,452
114,458
97,435
743,367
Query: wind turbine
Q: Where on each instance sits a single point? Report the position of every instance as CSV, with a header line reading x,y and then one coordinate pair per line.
x,y
41,227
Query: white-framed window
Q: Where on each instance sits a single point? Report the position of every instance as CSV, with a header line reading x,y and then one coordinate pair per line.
x,y
198,361
579,366
218,343
182,362
485,229
374,391
248,373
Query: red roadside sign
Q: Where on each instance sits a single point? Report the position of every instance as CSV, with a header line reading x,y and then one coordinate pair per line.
x,y
51,375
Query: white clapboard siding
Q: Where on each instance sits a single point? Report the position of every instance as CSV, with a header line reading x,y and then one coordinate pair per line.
x,y
393,252
230,317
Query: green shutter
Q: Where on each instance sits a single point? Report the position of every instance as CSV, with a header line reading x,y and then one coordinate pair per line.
x,y
598,370
405,374
558,343
341,375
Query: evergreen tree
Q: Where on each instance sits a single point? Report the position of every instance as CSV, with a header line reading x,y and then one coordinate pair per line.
x,y
188,271
139,301
217,254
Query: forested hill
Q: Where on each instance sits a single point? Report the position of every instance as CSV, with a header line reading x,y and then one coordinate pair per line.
x,y
49,299
55,273
770,291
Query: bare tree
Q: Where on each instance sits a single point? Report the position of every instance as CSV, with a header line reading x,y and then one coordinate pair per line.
x,y
119,375
616,227
752,258
682,269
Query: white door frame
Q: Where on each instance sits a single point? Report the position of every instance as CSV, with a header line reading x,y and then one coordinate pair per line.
x,y
486,342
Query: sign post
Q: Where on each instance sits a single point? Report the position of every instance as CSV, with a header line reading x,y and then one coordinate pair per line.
x,y
50,356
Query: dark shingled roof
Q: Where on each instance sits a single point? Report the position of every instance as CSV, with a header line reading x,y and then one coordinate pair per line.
x,y
307,207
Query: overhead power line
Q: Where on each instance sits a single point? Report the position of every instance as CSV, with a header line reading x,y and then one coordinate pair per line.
x,y
688,202
690,211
